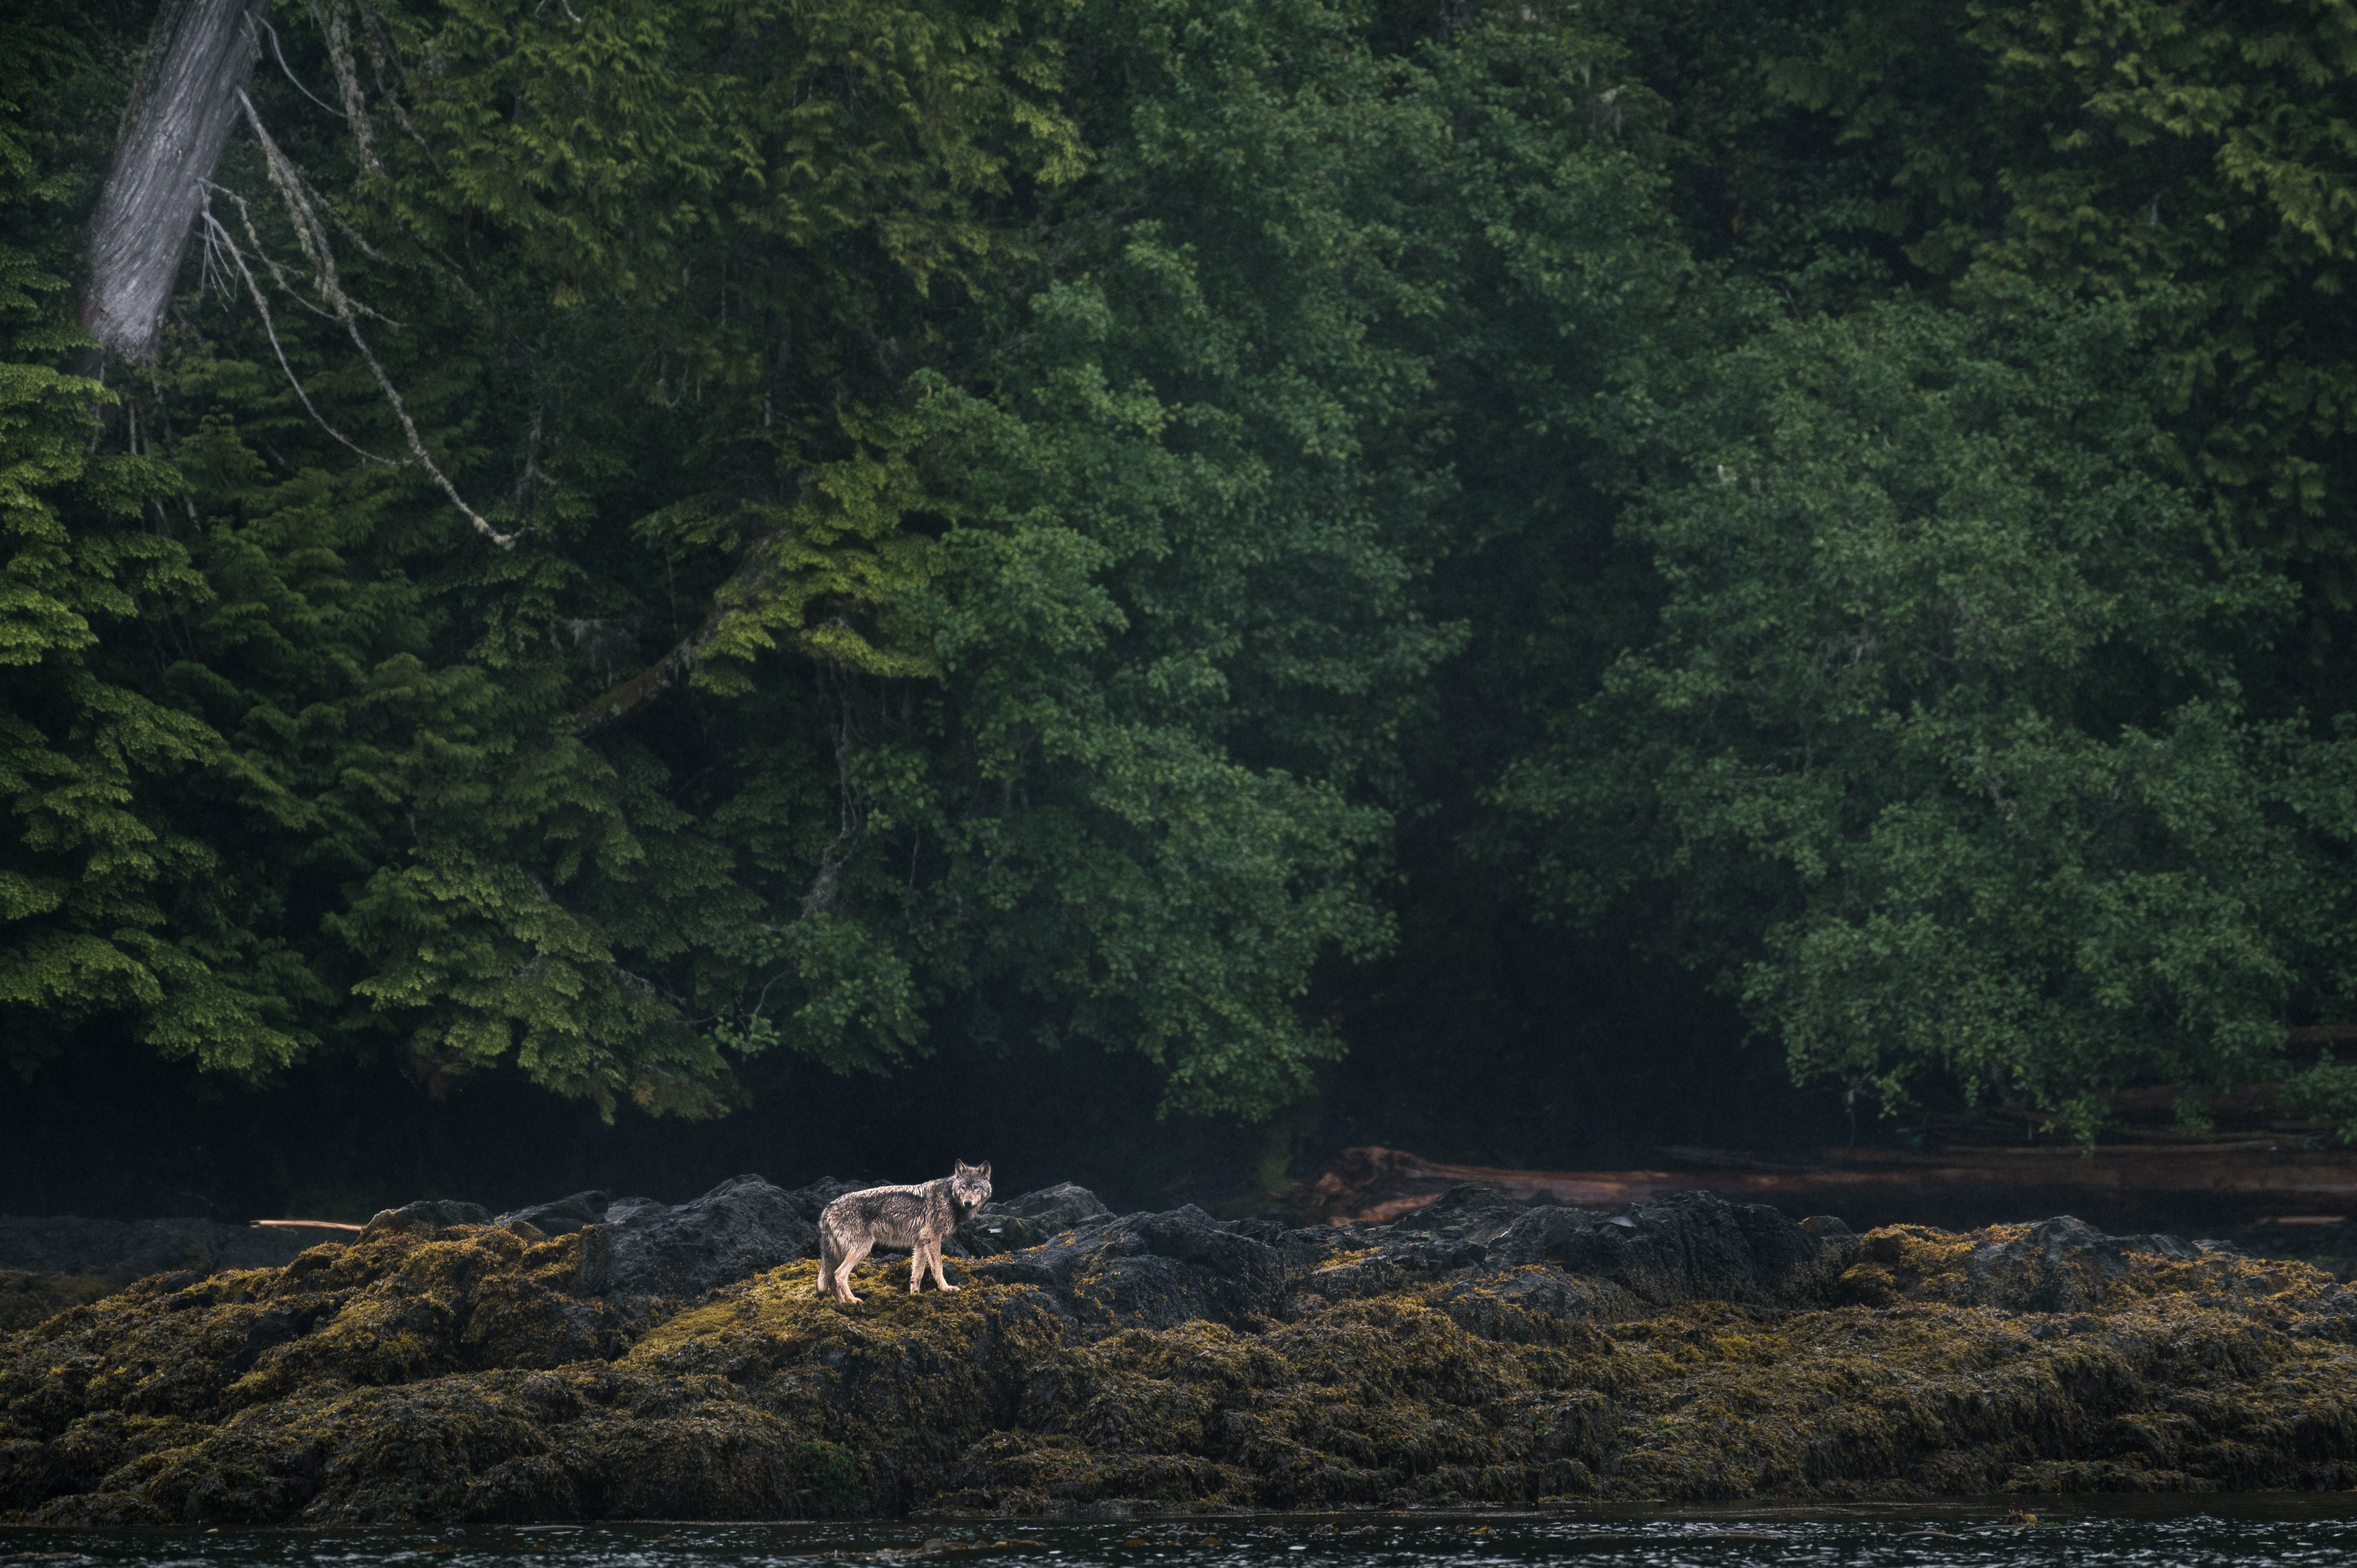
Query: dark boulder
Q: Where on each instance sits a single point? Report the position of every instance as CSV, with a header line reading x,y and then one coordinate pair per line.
x,y
426,1214
561,1215
2063,1265
738,1229
643,1247
271,1329
121,1250
1010,1224
1303,1248
1059,1207
1689,1246
1393,1264
1151,1270
1530,1306
1467,1213
1454,1233
1510,1270
811,1201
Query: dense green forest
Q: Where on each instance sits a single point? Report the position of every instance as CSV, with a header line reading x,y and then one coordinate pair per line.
x,y
662,538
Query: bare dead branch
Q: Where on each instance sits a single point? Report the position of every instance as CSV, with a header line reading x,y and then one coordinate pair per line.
x,y
221,236
348,82
313,236
262,254
288,71
384,64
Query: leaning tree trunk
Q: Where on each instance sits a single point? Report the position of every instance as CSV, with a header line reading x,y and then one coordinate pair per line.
x,y
199,56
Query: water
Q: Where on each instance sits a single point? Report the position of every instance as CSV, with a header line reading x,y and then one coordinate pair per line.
x,y
2084,1532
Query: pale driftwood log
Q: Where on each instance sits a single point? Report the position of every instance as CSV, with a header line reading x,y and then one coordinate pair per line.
x,y
183,106
2224,1183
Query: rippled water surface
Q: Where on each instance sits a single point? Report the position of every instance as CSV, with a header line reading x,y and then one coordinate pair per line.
x,y
2081,1532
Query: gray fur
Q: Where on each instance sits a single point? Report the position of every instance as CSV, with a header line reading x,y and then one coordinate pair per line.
x,y
920,1218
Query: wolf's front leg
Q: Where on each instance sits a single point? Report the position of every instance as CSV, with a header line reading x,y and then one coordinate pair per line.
x,y
917,1262
939,1282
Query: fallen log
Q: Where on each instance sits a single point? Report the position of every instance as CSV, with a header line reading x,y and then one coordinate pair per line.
x,y
2223,1184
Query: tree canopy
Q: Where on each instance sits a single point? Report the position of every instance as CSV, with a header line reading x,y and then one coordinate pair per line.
x,y
661,533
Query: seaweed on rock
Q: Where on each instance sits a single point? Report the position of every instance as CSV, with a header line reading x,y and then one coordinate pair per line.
x,y
1487,1353
27,1298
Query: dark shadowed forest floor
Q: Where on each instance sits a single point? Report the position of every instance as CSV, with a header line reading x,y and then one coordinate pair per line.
x,y
1489,1041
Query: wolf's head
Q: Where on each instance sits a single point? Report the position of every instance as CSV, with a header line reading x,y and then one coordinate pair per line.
x,y
970,1187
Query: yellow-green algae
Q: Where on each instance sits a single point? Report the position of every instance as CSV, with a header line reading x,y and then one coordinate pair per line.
x,y
454,1376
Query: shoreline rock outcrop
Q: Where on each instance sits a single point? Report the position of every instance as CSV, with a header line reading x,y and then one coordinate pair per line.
x,y
126,1250
47,1264
609,1358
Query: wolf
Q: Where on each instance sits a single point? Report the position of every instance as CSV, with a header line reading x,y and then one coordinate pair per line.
x,y
919,1218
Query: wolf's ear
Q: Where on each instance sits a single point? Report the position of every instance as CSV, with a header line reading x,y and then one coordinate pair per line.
x,y
963,1167
985,1170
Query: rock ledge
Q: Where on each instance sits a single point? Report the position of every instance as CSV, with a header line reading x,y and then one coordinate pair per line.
x,y
608,1358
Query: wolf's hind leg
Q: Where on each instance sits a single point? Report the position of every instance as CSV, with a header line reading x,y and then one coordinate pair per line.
x,y
825,1266
852,1256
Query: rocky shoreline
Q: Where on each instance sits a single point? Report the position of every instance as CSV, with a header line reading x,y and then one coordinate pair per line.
x,y
600,1357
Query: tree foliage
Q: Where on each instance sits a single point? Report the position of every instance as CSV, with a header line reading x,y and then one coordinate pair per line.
x,y
1938,740
661,533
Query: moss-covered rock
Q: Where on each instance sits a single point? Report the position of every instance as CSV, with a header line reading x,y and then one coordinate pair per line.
x,y
26,1299
466,1373
49,1263
2057,1265
121,1250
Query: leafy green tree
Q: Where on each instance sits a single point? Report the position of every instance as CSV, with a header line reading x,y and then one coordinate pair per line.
x,y
669,269
110,906
719,528
1937,750
664,532
1182,621
2199,159
488,258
